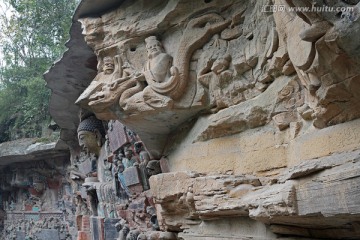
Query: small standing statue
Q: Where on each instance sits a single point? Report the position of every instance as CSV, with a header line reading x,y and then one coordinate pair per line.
x,y
144,160
12,205
128,160
114,171
120,183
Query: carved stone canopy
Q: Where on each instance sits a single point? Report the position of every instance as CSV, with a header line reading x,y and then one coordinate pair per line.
x,y
68,77
171,65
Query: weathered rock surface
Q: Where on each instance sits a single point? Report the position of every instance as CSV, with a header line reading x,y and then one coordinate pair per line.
x,y
29,149
207,70
67,85
266,100
319,198
253,113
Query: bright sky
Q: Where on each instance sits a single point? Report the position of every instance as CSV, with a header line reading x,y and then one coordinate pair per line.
x,y
4,8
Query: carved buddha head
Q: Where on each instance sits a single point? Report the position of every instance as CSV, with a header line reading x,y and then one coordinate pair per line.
x,y
153,47
90,135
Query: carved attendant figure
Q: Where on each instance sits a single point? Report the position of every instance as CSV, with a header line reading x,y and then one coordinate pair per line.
x,y
118,81
144,160
162,77
118,169
120,183
158,66
81,210
128,160
108,69
103,77
213,77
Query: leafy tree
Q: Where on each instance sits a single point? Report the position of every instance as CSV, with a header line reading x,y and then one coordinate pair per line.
x,y
32,37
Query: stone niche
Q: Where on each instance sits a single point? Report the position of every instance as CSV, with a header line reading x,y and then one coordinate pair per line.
x,y
36,200
253,112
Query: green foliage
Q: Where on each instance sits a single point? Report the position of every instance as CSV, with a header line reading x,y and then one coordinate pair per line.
x,y
31,39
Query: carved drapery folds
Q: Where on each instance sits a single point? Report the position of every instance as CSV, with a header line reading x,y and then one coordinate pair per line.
x,y
165,79
163,64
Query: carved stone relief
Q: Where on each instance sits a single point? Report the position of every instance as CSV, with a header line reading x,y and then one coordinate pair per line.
x,y
324,63
37,200
216,68
110,178
217,59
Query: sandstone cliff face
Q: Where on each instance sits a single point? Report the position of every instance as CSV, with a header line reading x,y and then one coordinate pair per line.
x,y
252,107
317,198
